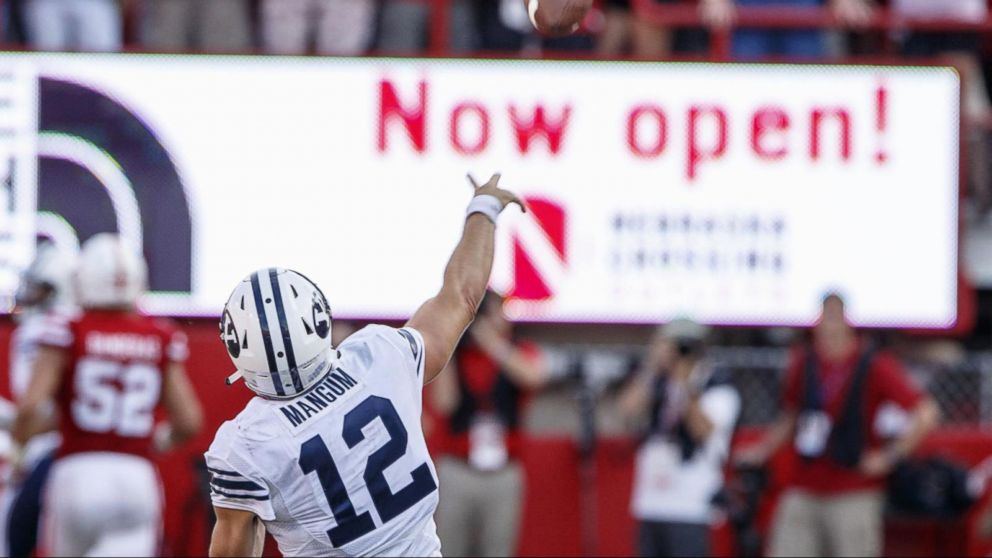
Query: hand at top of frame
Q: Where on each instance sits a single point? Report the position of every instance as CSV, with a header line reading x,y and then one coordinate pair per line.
x,y
491,188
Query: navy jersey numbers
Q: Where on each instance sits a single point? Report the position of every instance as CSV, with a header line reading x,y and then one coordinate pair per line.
x,y
315,458
388,505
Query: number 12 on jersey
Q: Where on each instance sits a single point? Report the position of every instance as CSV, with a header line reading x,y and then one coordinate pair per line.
x,y
316,458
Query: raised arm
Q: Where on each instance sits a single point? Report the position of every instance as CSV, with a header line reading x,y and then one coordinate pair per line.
x,y
442,320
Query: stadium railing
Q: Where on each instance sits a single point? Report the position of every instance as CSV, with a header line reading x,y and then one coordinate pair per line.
x,y
778,17
687,14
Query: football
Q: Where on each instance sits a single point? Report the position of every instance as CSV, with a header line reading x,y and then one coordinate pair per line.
x,y
557,18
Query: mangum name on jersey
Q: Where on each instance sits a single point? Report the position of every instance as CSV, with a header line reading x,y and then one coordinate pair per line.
x,y
337,386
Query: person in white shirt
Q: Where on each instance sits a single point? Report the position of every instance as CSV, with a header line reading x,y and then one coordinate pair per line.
x,y
691,410
74,25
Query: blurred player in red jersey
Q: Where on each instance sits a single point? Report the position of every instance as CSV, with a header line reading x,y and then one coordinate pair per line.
x,y
108,370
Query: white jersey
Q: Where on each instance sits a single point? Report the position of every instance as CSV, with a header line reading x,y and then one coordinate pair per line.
x,y
24,345
343,469
31,333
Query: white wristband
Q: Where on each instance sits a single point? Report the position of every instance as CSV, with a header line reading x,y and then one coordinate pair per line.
x,y
490,206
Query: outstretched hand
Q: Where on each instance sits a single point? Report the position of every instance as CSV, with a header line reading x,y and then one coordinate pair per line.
x,y
492,188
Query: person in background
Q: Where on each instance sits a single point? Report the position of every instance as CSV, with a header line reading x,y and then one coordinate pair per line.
x,y
12,22
73,25
107,372
45,288
751,43
691,410
338,27
964,50
482,400
405,26
195,25
833,391
624,32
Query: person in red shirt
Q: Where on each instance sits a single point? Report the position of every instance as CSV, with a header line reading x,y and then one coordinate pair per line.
x,y
482,402
108,370
833,391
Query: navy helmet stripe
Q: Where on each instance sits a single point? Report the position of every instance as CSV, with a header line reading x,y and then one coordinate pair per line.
x,y
287,341
263,321
238,496
236,485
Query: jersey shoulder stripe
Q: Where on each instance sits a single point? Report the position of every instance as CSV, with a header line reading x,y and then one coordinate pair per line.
x,y
235,485
232,496
415,347
409,338
223,472
406,343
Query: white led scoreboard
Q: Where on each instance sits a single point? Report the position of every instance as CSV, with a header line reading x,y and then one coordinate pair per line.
x,y
735,194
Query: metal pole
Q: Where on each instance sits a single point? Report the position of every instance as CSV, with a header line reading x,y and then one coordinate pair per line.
x,y
440,21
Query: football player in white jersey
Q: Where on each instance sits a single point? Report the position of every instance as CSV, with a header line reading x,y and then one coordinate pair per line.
x,y
330,457
45,287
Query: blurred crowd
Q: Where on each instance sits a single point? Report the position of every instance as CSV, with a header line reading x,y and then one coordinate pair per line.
x,y
614,28
849,410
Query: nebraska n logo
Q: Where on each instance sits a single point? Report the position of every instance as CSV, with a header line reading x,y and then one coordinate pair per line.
x,y
539,256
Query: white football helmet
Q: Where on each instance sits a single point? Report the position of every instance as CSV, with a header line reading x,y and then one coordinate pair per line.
x,y
46,283
276,326
111,273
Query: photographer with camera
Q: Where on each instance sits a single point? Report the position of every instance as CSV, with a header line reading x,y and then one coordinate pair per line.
x,y
690,410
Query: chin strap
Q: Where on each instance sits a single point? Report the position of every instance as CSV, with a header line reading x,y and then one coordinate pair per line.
x,y
237,375
331,362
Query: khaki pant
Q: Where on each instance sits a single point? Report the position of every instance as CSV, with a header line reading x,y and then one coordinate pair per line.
x,y
845,525
479,512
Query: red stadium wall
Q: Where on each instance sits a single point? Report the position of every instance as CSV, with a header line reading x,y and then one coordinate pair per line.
x,y
558,502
